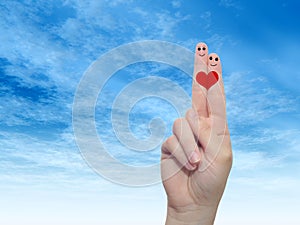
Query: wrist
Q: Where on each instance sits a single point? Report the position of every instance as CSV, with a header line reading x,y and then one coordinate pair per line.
x,y
191,215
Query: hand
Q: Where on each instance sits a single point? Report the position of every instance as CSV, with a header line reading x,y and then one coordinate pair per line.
x,y
197,158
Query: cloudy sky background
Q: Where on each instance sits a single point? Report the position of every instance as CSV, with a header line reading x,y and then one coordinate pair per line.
x,y
45,48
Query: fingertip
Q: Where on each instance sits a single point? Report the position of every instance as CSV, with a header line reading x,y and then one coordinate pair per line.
x,y
201,47
214,63
201,54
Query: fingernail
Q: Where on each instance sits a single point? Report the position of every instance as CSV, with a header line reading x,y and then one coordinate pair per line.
x,y
195,157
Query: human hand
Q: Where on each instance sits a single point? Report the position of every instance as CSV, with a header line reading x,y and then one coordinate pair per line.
x,y
197,158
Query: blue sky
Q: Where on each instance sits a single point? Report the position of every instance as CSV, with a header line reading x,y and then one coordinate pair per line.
x,y
46,46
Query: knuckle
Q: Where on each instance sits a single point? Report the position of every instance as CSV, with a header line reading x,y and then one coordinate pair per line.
x,y
170,141
189,113
177,125
227,157
169,144
165,146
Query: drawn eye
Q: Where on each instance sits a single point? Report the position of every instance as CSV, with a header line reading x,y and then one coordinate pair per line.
x,y
211,58
217,59
203,48
199,49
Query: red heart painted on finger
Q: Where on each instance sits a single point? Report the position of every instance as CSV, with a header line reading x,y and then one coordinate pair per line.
x,y
207,80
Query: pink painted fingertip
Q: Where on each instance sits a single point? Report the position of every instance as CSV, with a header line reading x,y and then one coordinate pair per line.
x,y
201,49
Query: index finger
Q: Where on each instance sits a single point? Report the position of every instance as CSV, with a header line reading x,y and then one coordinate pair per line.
x,y
199,93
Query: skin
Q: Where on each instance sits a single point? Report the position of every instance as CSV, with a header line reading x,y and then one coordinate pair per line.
x,y
201,50
213,60
197,158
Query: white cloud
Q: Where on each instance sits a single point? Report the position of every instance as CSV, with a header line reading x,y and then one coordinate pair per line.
x,y
251,99
217,41
40,165
40,153
266,149
230,4
21,111
157,25
63,51
206,17
264,186
32,49
254,160
176,3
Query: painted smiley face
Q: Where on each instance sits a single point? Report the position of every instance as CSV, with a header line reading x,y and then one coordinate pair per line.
x,y
201,49
213,60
